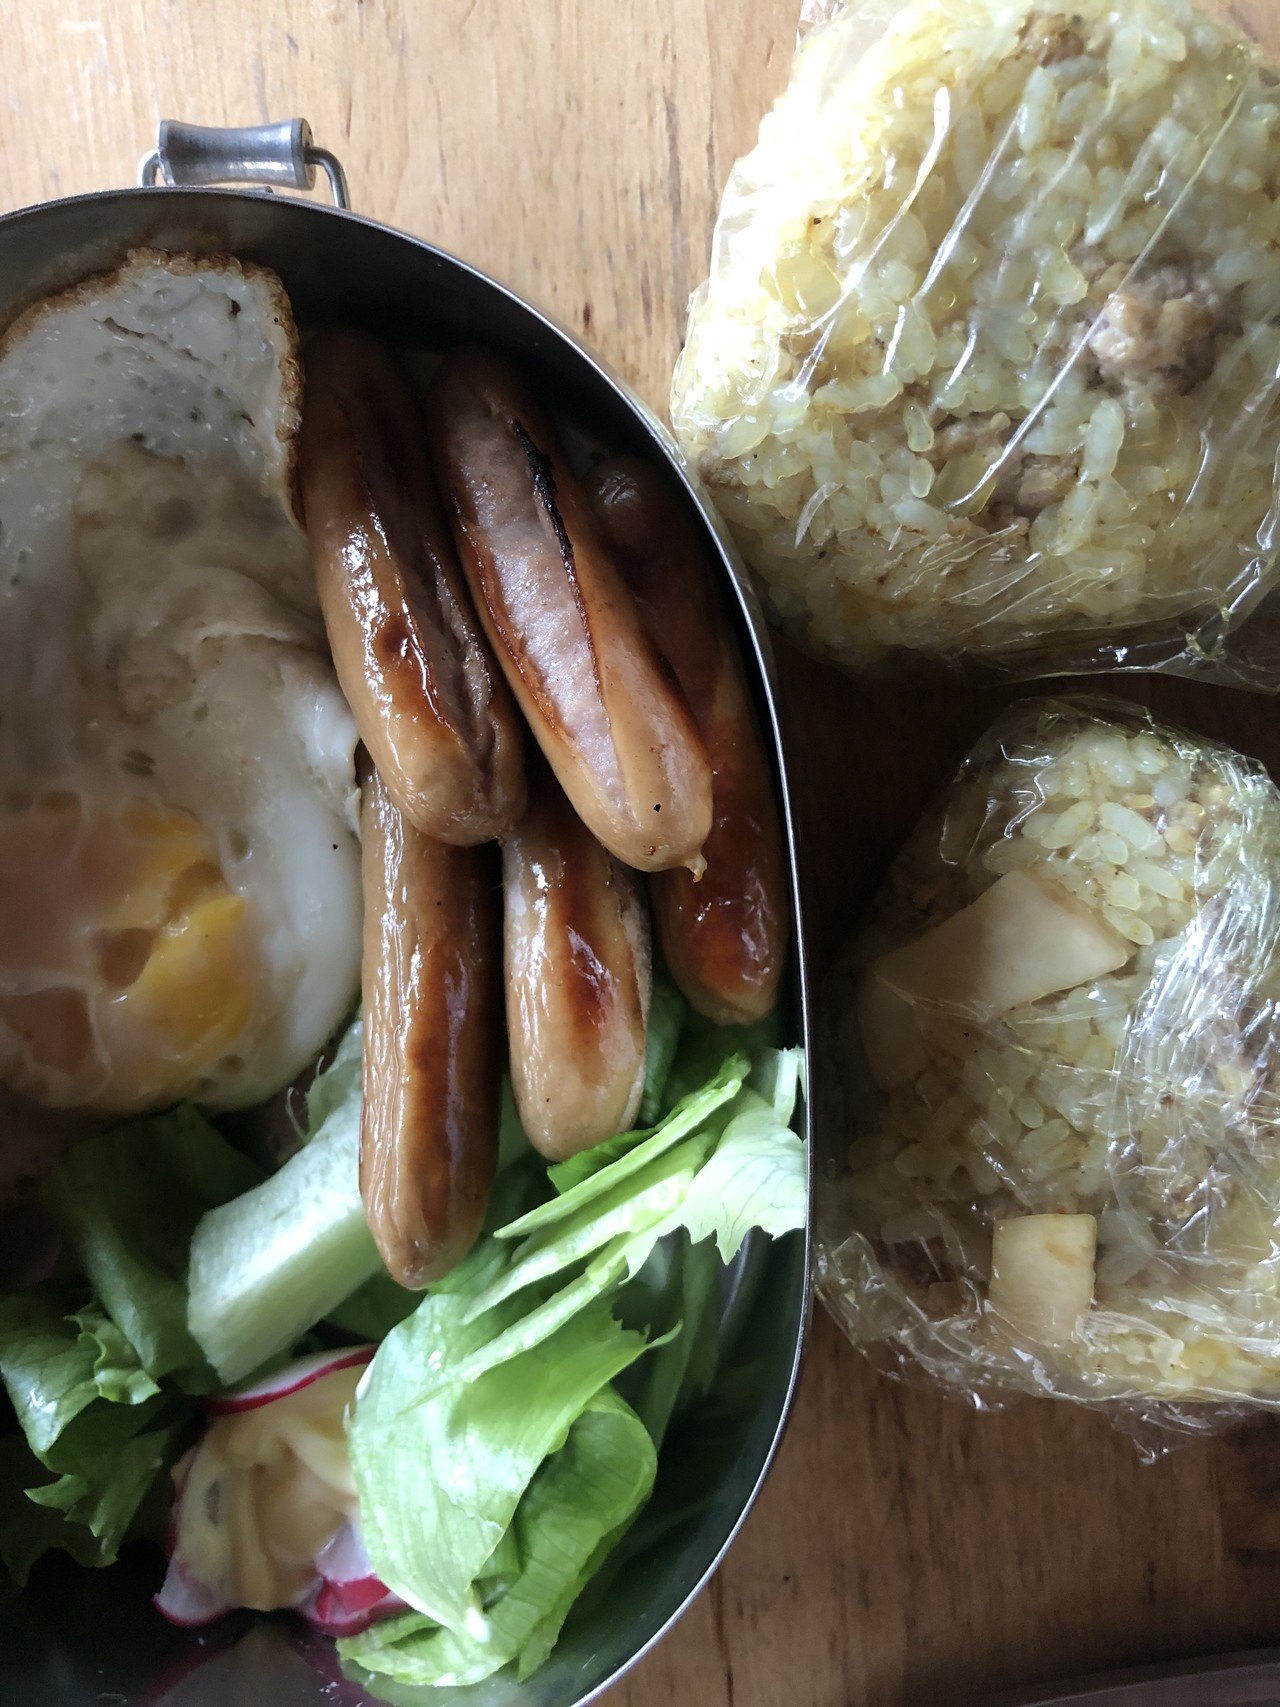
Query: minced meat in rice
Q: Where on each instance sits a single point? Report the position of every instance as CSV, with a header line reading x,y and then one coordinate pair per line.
x,y
989,356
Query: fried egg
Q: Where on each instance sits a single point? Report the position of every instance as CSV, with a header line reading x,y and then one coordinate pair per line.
x,y
179,868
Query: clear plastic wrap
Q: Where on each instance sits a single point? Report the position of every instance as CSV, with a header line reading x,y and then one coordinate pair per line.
x,y
989,358
1052,1070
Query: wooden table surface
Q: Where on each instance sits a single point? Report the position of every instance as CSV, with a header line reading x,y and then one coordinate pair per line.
x,y
904,1550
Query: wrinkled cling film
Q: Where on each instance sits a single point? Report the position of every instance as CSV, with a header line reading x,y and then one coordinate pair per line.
x,y
1052,1069
816,12
987,366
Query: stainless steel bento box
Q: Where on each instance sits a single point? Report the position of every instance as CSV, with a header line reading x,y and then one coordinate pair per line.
x,y
78,1637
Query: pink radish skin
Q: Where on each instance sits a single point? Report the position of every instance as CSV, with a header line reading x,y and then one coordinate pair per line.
x,y
334,1607
291,1379
350,1596
326,1611
343,1561
186,1602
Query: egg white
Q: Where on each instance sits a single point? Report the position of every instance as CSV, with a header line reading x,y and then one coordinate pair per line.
x,y
159,634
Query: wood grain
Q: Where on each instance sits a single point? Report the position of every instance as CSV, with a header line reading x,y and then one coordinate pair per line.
x,y
904,1550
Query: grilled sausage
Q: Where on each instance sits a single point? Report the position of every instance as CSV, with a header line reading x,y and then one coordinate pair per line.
x,y
578,975
428,701
563,626
432,1063
725,937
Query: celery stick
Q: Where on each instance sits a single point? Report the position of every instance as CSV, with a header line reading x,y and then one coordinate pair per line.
x,y
271,1263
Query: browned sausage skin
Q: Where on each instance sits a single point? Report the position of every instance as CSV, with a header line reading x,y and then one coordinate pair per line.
x,y
564,628
725,937
429,703
432,1038
578,977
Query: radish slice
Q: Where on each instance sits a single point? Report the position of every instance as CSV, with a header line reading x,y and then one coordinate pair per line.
x,y
344,1560
292,1378
347,1598
265,1507
185,1601
351,1595
331,1612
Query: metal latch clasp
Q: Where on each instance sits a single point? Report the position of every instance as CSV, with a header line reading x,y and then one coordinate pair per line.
x,y
268,154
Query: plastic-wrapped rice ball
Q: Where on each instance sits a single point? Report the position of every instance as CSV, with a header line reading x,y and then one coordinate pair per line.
x,y
989,355
1058,1054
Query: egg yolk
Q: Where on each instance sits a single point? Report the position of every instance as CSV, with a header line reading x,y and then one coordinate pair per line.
x,y
127,962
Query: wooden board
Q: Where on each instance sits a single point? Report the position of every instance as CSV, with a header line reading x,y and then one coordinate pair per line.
x,y
904,1549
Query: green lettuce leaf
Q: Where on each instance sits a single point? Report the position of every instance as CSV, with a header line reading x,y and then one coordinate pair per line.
x,y
778,1075
495,1464
336,1087
610,1219
90,1415
452,1424
27,1530
757,1176
105,1493
624,1221
723,1162
374,1309
584,1177
117,1373
56,1362
101,1380
682,1366
572,1512
668,1011
704,1045
127,1203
